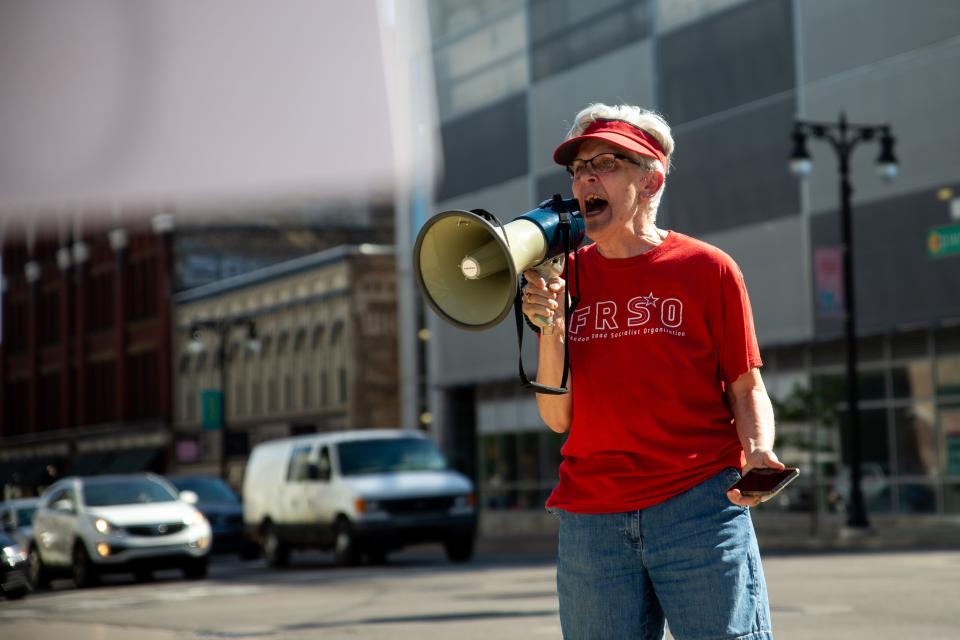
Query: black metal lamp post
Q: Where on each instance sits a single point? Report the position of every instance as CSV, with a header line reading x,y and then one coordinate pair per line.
x,y
223,328
843,137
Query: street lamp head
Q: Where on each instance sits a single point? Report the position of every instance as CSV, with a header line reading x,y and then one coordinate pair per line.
x,y
887,166
196,344
800,163
254,345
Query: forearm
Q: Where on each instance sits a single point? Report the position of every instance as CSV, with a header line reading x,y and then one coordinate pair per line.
x,y
556,410
753,416
752,413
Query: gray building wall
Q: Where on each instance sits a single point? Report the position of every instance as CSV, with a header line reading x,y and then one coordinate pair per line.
x,y
731,76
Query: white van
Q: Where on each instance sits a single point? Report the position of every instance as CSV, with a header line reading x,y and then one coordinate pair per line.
x,y
356,492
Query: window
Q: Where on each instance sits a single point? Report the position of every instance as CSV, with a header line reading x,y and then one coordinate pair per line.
x,y
272,399
257,398
519,469
266,344
298,468
142,286
316,338
948,376
99,292
306,390
49,317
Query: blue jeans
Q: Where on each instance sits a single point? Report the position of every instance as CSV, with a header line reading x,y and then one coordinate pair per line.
x,y
692,560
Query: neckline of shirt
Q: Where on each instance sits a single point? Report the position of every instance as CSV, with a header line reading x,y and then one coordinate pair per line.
x,y
632,261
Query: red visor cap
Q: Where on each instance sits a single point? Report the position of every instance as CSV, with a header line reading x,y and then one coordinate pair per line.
x,y
624,135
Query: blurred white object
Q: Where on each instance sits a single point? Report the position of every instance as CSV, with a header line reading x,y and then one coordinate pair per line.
x,y
153,103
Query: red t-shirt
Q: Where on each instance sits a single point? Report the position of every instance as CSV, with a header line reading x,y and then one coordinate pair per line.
x,y
653,342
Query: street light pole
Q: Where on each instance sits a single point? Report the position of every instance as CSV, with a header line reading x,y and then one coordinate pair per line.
x,y
223,335
843,138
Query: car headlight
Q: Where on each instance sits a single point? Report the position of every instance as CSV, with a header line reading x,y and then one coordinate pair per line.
x,y
464,502
104,526
194,519
14,554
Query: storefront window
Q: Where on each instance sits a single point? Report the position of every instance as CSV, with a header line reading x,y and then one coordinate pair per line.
x,y
519,470
872,385
948,376
951,498
917,498
912,380
916,447
950,428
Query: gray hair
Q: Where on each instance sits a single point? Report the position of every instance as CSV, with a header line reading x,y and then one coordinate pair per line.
x,y
650,121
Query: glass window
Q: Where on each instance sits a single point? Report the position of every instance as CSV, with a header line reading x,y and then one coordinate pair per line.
x,y
916,446
306,389
948,376
912,380
102,493
316,337
363,457
299,464
207,489
872,384
917,498
951,498
566,33
950,428
451,16
492,472
829,389
874,443
528,470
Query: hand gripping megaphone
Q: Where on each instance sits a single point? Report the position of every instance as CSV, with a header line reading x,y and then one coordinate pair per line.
x,y
467,265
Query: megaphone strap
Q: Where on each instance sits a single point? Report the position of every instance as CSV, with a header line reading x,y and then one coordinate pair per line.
x,y
567,313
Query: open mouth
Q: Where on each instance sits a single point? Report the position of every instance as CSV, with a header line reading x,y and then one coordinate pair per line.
x,y
593,205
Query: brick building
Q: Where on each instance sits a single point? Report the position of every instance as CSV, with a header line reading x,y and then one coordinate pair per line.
x,y
85,351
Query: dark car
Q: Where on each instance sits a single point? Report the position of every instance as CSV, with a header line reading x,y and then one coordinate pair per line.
x,y
221,506
13,568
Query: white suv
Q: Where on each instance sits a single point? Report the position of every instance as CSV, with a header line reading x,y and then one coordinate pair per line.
x,y
122,523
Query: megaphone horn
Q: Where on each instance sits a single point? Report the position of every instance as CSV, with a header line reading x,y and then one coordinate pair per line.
x,y
467,265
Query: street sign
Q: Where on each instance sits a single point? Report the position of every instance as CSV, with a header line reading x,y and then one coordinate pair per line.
x,y
211,400
944,241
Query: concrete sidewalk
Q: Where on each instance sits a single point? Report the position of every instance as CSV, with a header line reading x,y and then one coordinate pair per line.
x,y
777,532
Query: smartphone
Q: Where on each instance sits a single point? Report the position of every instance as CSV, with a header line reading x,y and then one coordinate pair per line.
x,y
765,483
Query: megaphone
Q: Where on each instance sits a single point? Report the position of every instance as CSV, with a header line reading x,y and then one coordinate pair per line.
x,y
467,265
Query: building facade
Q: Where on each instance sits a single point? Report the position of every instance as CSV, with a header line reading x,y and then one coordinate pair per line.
x,y
85,354
731,76
309,345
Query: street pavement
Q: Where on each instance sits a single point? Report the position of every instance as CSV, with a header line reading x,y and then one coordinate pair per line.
x,y
504,595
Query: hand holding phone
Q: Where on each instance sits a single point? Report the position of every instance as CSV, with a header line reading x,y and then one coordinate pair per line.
x,y
765,483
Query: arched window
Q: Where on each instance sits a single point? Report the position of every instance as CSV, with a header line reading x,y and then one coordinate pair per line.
x,y
336,334
316,337
266,344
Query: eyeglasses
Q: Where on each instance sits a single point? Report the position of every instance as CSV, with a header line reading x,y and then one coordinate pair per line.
x,y
600,163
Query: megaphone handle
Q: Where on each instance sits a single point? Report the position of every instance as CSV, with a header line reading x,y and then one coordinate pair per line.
x,y
548,269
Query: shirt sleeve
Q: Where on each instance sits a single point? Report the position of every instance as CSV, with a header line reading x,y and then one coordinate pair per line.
x,y
738,351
